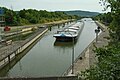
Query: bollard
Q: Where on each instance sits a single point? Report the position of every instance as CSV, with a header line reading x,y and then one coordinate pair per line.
x,y
9,58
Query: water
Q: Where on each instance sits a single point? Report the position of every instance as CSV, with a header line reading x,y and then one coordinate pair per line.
x,y
47,58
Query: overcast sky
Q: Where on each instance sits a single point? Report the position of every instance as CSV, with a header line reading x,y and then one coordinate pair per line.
x,y
53,5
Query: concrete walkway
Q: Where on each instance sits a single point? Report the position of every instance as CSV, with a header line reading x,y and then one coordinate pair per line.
x,y
8,49
89,58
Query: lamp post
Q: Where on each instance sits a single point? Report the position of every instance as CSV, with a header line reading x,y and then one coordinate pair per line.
x,y
72,54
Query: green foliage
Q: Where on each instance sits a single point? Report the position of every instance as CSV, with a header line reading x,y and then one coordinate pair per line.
x,y
108,66
82,13
105,18
42,16
32,16
24,21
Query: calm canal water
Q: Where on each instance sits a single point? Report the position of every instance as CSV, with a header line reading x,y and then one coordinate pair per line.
x,y
48,58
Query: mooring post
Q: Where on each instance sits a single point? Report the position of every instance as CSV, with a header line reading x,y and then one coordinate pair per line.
x,y
9,58
58,25
49,27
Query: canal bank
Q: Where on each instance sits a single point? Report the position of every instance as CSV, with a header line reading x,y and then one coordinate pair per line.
x,y
46,59
8,53
88,58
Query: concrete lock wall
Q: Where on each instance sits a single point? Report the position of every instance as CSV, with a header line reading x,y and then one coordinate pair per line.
x,y
12,55
30,42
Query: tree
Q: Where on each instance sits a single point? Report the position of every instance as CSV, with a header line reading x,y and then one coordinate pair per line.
x,y
108,66
32,16
115,13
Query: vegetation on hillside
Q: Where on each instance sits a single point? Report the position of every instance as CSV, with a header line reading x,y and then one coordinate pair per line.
x,y
82,13
108,66
105,18
32,16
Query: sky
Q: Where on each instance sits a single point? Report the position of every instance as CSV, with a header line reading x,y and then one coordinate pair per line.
x,y
53,5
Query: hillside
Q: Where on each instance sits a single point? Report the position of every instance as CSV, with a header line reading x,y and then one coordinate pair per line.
x,y
32,16
82,13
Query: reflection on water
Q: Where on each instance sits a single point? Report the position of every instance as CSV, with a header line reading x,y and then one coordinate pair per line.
x,y
65,44
57,43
